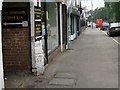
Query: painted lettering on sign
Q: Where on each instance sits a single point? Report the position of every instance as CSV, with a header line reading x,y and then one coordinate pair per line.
x,y
14,17
38,18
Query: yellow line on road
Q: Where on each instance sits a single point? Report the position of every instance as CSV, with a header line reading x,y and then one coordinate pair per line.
x,y
112,38
115,41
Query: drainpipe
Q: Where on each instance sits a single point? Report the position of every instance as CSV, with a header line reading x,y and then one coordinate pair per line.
x,y
1,56
61,32
69,29
32,35
80,29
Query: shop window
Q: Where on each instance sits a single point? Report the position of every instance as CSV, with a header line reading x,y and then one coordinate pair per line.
x,y
52,26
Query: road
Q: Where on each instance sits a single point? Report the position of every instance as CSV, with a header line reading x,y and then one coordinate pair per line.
x,y
115,38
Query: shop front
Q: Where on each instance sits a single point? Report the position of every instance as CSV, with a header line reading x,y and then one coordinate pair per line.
x,y
53,32
23,37
74,22
52,26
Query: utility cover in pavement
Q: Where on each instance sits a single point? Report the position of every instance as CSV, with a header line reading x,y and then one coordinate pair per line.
x,y
65,75
62,81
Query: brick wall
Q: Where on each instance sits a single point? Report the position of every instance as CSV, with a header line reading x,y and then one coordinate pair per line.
x,y
16,49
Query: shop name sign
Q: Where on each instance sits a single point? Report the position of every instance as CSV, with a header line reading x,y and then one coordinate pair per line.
x,y
38,20
37,12
15,17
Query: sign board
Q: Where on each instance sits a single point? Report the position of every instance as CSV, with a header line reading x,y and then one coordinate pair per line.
x,y
38,20
37,12
38,28
14,17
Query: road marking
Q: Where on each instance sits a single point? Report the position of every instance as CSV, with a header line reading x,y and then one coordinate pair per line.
x,y
112,38
104,32
115,41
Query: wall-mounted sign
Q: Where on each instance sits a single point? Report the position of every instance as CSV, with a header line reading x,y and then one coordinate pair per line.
x,y
38,28
38,24
37,12
14,17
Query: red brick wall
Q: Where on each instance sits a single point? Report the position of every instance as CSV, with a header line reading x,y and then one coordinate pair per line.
x,y
16,49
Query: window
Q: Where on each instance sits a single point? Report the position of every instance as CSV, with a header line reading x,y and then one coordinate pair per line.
x,y
52,25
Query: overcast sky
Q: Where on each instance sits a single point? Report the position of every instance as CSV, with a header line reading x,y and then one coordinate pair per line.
x,y
96,3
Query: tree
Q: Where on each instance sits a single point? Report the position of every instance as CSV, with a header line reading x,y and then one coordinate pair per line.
x,y
113,10
108,13
99,14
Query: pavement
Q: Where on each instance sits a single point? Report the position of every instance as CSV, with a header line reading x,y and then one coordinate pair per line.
x,y
92,62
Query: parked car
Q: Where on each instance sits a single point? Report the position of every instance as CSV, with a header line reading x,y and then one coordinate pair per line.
x,y
114,29
104,26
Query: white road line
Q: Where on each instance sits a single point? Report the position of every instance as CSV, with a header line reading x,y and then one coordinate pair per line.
x,y
104,32
112,38
115,41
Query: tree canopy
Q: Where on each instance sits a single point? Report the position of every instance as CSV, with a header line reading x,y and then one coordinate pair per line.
x,y
108,13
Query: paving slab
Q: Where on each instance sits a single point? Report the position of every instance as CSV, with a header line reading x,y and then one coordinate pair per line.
x,y
62,81
65,75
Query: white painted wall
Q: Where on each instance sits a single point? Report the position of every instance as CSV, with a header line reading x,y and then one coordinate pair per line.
x,y
36,46
32,34
1,58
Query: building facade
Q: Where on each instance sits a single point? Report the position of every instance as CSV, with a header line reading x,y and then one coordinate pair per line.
x,y
35,32
22,36
32,34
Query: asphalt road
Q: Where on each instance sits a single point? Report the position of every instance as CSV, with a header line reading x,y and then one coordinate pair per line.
x,y
114,38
